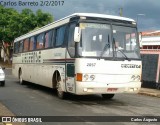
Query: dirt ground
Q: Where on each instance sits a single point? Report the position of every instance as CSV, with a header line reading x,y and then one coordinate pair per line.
x,y
5,64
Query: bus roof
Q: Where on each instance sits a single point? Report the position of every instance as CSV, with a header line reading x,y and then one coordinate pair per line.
x,y
101,16
66,19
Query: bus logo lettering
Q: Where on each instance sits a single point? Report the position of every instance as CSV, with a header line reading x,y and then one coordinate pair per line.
x,y
130,66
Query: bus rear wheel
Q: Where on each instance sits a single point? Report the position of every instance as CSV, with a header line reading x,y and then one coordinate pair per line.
x,y
107,96
20,78
158,86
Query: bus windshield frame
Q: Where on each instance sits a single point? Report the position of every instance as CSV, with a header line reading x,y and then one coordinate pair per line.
x,y
108,41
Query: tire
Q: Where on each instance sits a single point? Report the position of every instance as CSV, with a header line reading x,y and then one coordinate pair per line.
x,y
61,94
158,86
21,81
107,96
2,83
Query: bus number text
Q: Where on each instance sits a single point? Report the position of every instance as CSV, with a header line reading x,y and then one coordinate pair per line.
x,y
91,64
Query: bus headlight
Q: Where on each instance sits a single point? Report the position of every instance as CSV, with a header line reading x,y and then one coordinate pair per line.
x,y
92,77
85,77
135,78
88,77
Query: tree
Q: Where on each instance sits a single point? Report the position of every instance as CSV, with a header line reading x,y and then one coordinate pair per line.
x,y
6,29
43,18
14,24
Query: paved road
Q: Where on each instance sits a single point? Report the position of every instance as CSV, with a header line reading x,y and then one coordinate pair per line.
x,y
34,100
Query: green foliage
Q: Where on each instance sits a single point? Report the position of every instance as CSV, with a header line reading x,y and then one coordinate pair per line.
x,y
14,24
41,16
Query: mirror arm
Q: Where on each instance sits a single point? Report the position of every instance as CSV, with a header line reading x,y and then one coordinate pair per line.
x,y
76,50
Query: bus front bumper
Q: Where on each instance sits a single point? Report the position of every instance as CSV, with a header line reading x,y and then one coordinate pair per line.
x,y
85,88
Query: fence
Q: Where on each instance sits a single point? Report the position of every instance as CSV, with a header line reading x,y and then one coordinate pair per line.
x,y
150,67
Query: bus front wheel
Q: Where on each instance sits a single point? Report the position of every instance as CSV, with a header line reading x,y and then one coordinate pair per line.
x,y
2,83
60,92
107,96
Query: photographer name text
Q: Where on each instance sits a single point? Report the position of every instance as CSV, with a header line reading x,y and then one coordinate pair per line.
x,y
32,3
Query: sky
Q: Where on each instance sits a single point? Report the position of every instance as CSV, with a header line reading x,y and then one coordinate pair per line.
x,y
145,12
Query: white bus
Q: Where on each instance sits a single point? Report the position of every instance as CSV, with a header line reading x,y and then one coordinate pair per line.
x,y
84,53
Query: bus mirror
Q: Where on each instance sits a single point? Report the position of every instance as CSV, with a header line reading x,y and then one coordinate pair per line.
x,y
77,34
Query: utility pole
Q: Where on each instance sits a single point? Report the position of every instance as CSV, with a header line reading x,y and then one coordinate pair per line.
x,y
140,14
121,11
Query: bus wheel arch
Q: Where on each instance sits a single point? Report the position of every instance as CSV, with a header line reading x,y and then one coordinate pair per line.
x,y
57,83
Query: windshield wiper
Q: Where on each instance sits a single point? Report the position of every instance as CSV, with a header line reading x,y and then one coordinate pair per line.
x,y
118,50
124,54
105,47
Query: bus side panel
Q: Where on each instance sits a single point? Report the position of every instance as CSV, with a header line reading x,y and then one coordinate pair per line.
x,y
41,71
52,60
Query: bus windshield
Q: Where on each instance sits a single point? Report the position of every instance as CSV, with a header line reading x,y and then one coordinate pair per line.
x,y
102,41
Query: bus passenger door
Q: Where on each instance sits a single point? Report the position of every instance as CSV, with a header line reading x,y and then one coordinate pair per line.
x,y
70,83
70,60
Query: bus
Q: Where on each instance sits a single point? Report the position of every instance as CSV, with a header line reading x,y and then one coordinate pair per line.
x,y
83,53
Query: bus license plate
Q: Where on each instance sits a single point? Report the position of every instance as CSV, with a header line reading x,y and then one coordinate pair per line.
x,y
112,89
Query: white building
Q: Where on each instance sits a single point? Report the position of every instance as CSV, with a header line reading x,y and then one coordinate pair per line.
x,y
150,40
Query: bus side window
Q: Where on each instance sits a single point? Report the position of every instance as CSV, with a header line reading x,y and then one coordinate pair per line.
x,y
60,33
32,43
16,46
53,38
71,43
26,45
40,41
21,46
48,39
